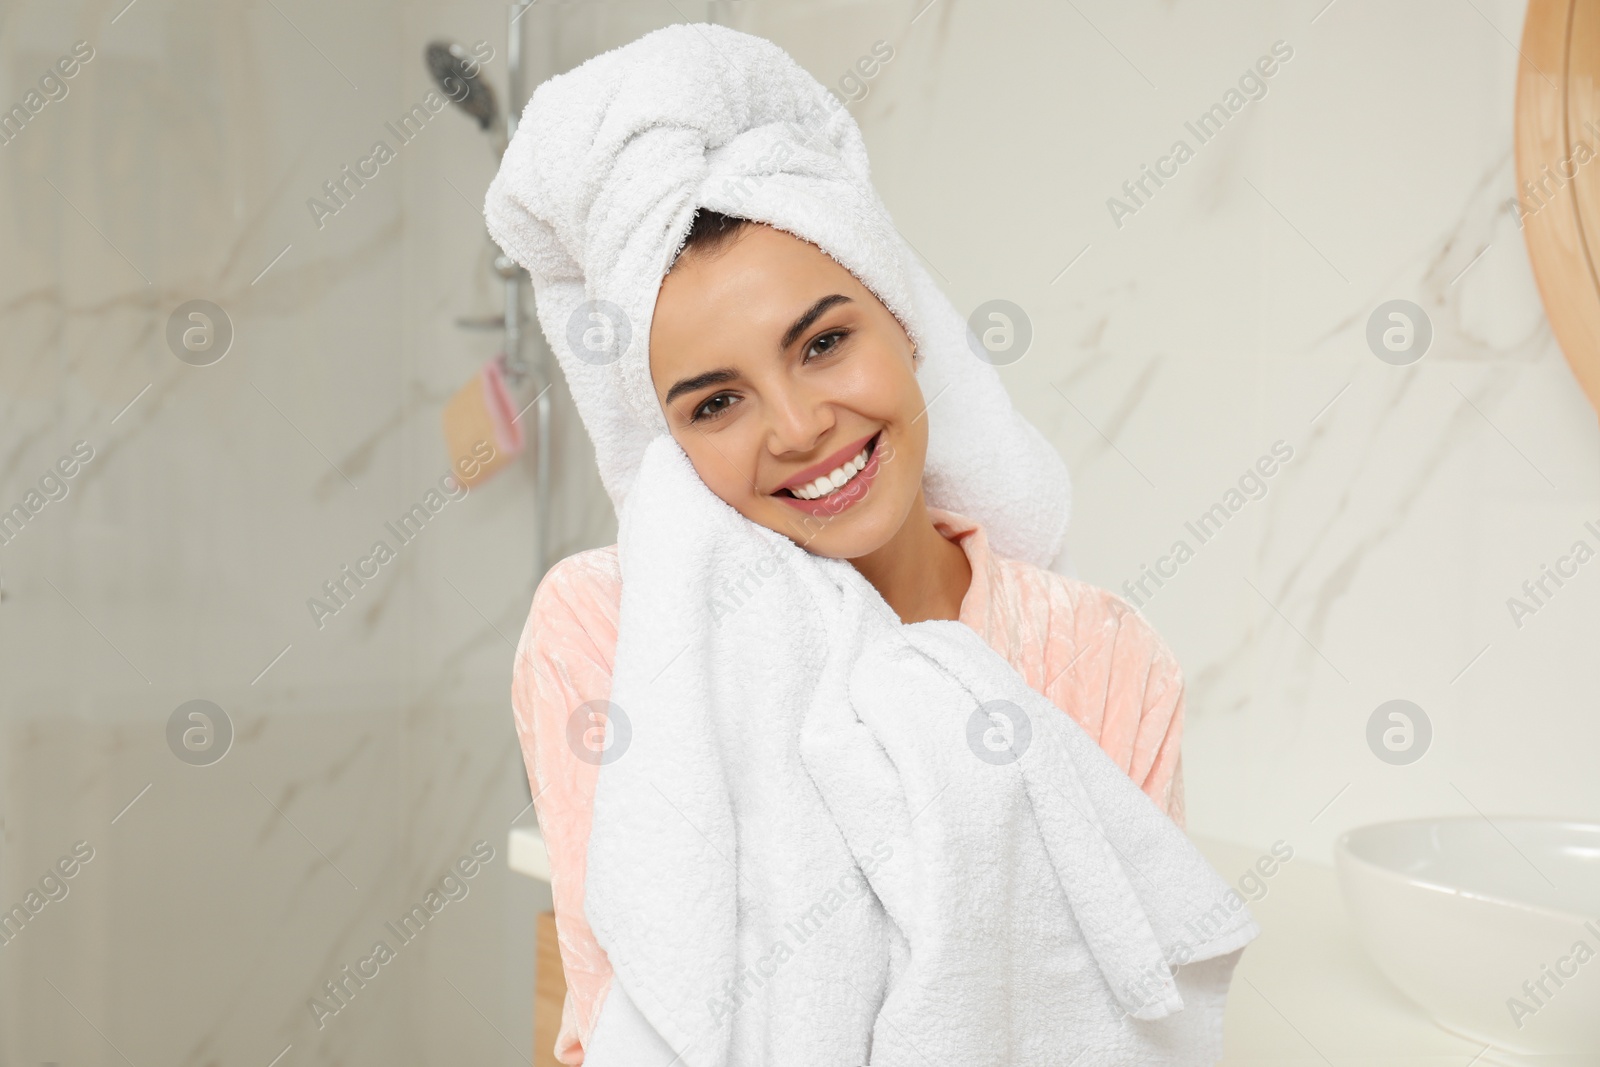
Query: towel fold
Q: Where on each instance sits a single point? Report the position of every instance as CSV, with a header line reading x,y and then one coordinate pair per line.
x,y
871,843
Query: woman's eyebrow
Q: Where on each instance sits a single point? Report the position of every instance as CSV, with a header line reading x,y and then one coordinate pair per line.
x,y
812,314
700,381
728,374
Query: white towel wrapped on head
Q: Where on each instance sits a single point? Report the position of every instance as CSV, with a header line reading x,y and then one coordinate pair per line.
x,y
597,191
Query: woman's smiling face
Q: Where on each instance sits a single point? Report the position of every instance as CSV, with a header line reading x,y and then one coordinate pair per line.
x,y
776,367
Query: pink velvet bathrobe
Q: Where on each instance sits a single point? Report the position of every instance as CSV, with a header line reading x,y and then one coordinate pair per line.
x,y
1082,647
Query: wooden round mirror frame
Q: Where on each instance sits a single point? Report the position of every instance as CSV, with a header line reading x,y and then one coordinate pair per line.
x,y
1558,173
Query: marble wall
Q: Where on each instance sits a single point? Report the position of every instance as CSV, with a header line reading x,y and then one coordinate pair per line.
x,y
371,749
1177,338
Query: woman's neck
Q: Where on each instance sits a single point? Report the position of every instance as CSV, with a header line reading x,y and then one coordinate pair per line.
x,y
920,574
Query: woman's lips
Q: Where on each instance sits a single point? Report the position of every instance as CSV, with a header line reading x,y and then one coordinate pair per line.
x,y
827,466
846,495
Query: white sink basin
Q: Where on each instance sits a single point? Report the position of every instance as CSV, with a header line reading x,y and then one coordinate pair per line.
x,y
1493,928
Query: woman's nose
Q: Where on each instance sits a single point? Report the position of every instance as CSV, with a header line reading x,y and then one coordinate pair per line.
x,y
799,420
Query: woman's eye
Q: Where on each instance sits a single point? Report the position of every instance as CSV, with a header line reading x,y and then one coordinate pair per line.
x,y
832,337
710,409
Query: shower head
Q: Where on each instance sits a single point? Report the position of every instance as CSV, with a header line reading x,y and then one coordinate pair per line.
x,y
460,77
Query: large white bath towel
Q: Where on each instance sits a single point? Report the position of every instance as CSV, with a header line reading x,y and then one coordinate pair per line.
x,y
823,837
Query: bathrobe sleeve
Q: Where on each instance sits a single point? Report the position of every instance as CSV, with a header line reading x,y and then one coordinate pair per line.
x,y
1104,663
564,660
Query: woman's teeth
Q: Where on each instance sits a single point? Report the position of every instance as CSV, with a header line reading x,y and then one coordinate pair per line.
x,y
831,483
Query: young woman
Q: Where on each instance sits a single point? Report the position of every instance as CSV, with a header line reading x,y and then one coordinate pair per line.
x,y
792,390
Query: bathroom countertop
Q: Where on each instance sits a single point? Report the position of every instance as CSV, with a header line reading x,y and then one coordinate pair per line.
x,y
1304,991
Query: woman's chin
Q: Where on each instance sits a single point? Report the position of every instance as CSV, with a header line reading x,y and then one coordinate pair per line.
x,y
855,549
858,530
